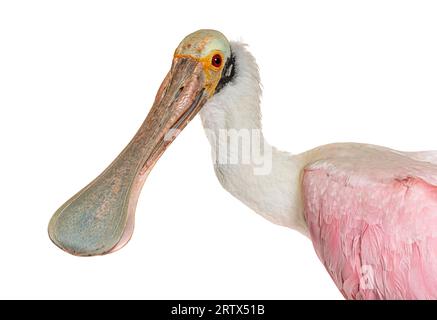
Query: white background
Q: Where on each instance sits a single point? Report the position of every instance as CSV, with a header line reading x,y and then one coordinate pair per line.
x,y
77,79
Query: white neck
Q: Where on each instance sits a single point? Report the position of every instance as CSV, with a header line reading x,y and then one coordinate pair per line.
x,y
270,182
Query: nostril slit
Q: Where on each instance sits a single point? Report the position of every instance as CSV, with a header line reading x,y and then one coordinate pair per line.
x,y
179,92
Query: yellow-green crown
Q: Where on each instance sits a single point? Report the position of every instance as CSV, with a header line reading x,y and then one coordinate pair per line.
x,y
202,42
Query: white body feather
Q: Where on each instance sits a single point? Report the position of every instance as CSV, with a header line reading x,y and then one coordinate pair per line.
x,y
276,195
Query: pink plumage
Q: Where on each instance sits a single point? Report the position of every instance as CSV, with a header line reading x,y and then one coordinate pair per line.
x,y
370,211
373,223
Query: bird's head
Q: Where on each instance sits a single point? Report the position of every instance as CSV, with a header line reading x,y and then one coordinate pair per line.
x,y
99,218
202,65
211,50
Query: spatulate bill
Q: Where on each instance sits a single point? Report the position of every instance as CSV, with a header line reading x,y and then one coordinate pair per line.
x,y
99,219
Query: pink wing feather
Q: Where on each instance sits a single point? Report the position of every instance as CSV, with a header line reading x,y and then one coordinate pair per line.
x,y
374,225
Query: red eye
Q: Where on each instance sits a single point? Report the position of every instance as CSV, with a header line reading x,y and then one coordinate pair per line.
x,y
216,60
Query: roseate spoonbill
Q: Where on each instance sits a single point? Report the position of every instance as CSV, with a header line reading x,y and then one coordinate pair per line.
x,y
371,212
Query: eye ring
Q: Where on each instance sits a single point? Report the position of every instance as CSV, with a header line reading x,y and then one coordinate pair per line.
x,y
217,60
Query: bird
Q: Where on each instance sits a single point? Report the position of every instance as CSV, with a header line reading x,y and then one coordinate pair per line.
x,y
370,211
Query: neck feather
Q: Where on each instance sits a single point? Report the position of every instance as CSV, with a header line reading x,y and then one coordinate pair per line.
x,y
264,178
